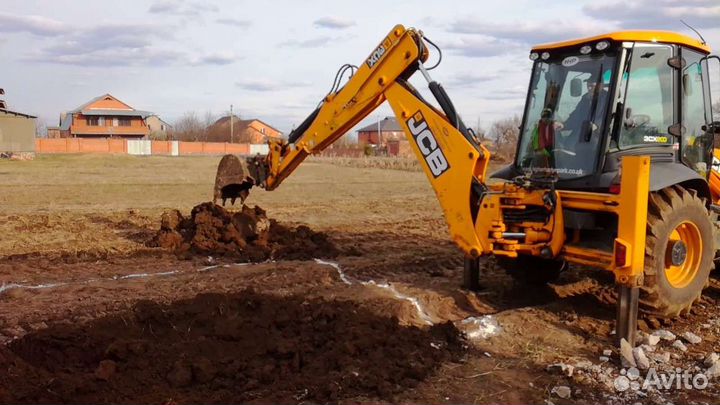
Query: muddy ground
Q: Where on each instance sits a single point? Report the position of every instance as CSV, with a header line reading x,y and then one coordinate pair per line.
x,y
93,310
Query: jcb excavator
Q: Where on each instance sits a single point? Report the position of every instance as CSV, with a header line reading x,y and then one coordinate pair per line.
x,y
612,168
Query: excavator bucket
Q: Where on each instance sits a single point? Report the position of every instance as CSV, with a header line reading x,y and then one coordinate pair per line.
x,y
233,180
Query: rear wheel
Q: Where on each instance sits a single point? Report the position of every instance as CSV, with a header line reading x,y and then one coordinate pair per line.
x,y
679,252
532,270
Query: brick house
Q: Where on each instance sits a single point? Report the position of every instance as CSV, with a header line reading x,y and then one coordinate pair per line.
x,y
158,128
386,136
244,131
102,117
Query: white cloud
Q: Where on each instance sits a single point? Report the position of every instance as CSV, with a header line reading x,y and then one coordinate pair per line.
x,y
653,14
480,46
530,32
217,58
34,24
333,23
265,85
121,45
235,22
468,79
182,8
122,57
306,43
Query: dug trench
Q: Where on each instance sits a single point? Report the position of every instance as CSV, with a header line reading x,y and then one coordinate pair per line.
x,y
222,348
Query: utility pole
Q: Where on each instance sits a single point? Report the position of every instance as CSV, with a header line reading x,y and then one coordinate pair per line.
x,y
378,133
231,123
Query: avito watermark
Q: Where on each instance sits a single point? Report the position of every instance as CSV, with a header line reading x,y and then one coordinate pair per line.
x,y
677,379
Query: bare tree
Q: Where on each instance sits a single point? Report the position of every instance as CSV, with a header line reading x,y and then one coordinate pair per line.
x,y
208,121
506,132
40,128
716,110
480,132
188,127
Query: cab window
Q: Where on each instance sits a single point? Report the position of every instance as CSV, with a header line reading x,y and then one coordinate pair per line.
x,y
648,108
696,145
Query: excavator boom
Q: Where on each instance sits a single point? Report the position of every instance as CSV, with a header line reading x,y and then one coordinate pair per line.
x,y
438,136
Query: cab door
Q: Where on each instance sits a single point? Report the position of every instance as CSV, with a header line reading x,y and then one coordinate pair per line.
x,y
696,148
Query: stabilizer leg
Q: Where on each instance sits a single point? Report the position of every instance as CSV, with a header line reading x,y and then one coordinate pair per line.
x,y
627,312
471,273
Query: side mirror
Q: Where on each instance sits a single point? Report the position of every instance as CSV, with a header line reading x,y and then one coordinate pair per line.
x,y
576,87
713,128
687,88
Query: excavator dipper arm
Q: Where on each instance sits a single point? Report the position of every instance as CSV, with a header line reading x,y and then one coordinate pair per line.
x,y
450,154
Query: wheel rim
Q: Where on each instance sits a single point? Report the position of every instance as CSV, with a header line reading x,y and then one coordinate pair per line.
x,y
683,254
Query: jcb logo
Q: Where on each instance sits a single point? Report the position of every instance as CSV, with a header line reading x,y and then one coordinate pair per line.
x,y
375,56
428,145
378,53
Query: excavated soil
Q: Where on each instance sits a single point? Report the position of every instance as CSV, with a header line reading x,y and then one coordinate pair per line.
x,y
247,235
222,348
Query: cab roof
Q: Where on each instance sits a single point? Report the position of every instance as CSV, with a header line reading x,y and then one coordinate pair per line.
x,y
639,36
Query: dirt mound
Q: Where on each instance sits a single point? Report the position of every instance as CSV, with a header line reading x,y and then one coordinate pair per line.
x,y
247,234
243,347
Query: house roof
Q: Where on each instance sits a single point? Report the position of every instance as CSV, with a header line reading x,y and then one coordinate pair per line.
x,y
65,122
223,120
123,113
389,124
3,110
159,119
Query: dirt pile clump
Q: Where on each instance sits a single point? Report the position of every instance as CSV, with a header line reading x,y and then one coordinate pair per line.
x,y
247,234
235,348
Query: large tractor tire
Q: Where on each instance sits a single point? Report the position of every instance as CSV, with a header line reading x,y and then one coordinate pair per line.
x,y
679,252
532,270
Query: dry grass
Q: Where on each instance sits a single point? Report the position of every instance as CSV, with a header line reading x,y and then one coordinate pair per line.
x,y
65,202
375,162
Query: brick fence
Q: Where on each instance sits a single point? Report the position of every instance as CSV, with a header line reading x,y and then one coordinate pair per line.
x,y
144,147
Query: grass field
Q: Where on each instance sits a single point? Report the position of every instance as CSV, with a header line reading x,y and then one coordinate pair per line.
x,y
59,202
102,183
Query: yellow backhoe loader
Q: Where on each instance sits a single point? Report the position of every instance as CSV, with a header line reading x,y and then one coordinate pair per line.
x,y
613,167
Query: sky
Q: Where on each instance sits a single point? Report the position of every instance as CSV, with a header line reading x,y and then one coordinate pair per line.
x,y
275,60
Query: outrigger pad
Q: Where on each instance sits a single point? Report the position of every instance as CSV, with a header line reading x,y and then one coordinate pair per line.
x,y
233,180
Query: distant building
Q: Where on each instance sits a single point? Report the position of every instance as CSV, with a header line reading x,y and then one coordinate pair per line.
x,y
386,136
17,133
158,128
244,131
102,117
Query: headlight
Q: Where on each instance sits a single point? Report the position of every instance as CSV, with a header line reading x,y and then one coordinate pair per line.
x,y
585,49
545,55
534,56
602,45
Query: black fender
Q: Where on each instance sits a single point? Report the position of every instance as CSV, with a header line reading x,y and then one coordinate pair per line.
x,y
666,174
506,172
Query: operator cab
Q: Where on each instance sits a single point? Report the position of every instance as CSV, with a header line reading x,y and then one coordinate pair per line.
x,y
592,101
